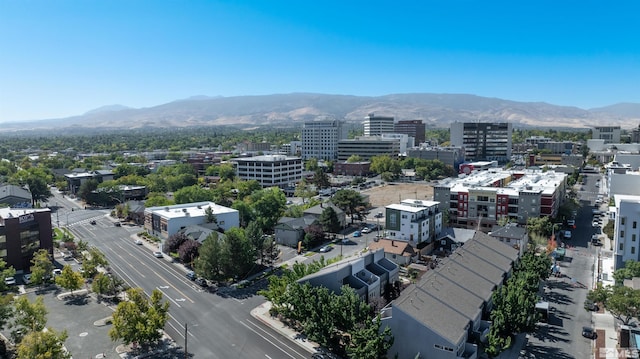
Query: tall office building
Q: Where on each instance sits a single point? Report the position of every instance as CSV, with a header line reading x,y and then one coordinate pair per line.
x,y
610,134
412,128
320,139
377,125
483,141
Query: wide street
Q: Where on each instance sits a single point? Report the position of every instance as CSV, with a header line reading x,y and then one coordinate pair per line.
x,y
218,325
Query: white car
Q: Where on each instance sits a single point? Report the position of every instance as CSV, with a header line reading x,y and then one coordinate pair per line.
x,y
138,242
26,279
325,249
57,272
158,254
366,230
566,234
10,281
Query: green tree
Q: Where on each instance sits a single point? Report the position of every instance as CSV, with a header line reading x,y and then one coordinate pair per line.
x,y
157,200
226,172
92,260
631,269
348,200
192,194
304,191
541,226
212,258
329,220
242,253
354,158
256,238
105,284
69,279
321,179
5,272
138,320
209,216
27,317
624,303
267,206
38,188
44,344
41,267
6,309
311,164
367,342
88,186
600,294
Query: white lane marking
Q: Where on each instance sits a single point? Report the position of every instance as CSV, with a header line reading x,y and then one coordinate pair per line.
x,y
271,342
180,300
168,297
268,357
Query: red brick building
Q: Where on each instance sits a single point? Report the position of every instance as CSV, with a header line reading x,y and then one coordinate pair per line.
x,y
23,232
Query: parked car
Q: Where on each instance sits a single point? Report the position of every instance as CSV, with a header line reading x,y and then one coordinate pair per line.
x,y
589,332
118,224
56,272
566,234
191,275
591,306
138,242
357,234
571,223
325,249
366,230
67,256
10,281
158,254
26,279
202,282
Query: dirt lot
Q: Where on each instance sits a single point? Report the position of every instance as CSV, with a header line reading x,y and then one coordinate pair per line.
x,y
394,193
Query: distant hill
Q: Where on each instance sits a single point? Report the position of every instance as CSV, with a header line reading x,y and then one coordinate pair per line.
x,y
436,110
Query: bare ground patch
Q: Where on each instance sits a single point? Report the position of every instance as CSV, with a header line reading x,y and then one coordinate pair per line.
x,y
394,193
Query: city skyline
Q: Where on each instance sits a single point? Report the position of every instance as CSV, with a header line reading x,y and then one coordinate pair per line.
x,y
64,58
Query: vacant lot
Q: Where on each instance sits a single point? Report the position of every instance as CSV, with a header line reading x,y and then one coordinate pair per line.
x,y
394,193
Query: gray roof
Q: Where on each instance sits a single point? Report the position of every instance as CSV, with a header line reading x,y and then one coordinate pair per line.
x,y
459,235
317,210
449,298
14,191
297,223
511,230
200,232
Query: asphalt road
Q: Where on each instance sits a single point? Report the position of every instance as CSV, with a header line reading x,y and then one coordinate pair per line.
x,y
219,325
562,337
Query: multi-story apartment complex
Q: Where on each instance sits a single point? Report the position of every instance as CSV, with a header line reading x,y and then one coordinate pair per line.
x,y
412,128
270,170
377,125
481,199
320,139
627,230
413,221
483,141
367,147
610,134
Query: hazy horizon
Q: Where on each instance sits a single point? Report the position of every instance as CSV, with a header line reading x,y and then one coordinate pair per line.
x,y
65,58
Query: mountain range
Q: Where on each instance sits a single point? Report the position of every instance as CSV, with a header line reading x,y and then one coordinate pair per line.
x,y
436,110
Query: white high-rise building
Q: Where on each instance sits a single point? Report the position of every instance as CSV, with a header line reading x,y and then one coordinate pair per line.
x,y
626,229
320,139
377,125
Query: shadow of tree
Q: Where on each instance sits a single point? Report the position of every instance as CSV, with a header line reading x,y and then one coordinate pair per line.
x,y
74,299
538,351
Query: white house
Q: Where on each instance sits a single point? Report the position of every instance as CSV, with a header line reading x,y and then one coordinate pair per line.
x,y
413,220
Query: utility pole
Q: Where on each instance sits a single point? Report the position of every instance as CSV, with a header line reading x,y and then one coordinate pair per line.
x,y
186,355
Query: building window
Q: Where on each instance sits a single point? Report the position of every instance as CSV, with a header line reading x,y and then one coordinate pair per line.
x,y
622,220
633,250
621,234
633,237
635,224
621,247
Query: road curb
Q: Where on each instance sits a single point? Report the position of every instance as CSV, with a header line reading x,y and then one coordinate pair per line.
x,y
261,313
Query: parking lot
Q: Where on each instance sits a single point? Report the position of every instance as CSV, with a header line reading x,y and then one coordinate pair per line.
x,y
81,317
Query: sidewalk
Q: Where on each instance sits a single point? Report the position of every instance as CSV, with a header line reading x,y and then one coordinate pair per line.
x,y
604,323
261,313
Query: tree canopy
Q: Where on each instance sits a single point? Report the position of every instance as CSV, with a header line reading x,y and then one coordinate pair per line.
x,y
138,319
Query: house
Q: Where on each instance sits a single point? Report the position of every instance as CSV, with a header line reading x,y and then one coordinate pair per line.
x,y
15,196
399,252
289,231
370,275
200,232
513,235
135,212
316,212
440,316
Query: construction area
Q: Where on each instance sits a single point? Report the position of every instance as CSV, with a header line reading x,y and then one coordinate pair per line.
x,y
390,193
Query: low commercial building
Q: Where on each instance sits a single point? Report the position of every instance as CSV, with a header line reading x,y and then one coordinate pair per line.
x,y
15,196
166,221
76,179
452,156
352,168
367,147
22,233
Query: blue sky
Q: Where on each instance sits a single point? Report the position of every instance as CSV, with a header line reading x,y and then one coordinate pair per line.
x,y
61,58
